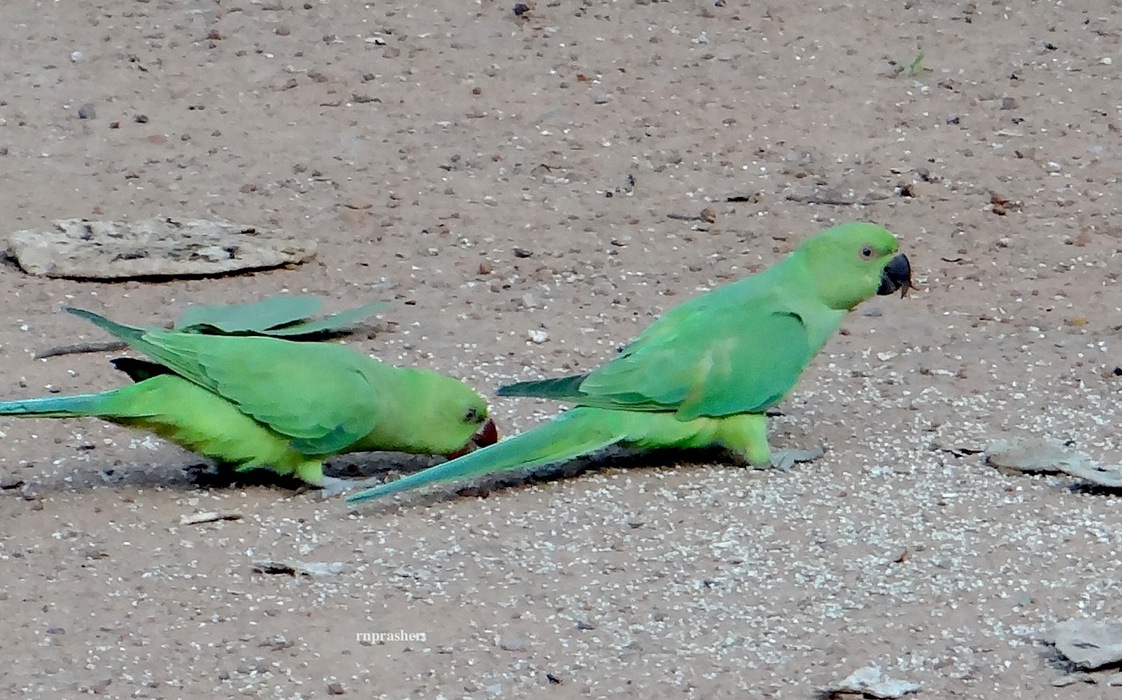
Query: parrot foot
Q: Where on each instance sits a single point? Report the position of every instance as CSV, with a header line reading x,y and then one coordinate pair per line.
x,y
333,487
784,460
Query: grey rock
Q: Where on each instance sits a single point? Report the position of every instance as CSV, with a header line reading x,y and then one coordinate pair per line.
x,y
159,247
1040,456
1090,644
1031,455
869,682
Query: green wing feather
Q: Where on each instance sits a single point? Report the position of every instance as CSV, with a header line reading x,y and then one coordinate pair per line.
x,y
267,377
718,355
254,317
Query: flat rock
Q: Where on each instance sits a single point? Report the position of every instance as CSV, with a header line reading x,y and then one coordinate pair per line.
x,y
869,682
1106,475
1031,455
158,247
1090,644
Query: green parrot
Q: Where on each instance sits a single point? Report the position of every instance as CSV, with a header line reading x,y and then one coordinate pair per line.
x,y
706,372
254,401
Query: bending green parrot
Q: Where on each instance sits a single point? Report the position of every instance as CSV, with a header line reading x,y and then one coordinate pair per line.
x,y
705,373
253,401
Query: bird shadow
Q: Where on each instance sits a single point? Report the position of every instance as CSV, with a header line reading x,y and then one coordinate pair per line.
x,y
612,458
199,474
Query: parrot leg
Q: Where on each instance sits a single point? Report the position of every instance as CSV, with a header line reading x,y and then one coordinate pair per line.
x,y
784,460
746,436
310,472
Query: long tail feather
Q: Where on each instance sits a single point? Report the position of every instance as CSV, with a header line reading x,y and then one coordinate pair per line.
x,y
561,388
571,435
55,406
125,333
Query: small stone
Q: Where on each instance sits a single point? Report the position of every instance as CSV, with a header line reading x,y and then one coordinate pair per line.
x,y
603,98
359,203
141,119
282,30
1072,679
514,644
335,688
87,111
521,9
522,252
538,336
1008,103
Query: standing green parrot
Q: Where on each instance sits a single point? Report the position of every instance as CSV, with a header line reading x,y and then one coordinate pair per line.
x,y
705,373
253,401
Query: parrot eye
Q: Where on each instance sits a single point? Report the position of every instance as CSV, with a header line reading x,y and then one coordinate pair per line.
x,y
472,415
867,252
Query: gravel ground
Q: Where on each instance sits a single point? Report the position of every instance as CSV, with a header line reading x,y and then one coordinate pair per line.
x,y
530,192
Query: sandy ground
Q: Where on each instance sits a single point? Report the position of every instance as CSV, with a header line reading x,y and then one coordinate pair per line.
x,y
423,144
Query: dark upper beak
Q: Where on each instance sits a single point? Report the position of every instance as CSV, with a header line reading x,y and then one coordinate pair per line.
x,y
897,274
486,435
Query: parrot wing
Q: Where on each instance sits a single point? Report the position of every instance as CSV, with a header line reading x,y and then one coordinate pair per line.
x,y
724,355
316,394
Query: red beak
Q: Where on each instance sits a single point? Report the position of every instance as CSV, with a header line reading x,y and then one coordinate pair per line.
x,y
487,435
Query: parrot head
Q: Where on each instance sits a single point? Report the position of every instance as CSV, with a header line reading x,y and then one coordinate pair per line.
x,y
474,418
852,262
451,418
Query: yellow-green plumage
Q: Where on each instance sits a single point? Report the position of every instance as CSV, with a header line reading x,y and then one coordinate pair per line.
x,y
254,401
705,373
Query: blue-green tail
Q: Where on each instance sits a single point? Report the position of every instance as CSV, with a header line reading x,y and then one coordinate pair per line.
x,y
56,406
570,435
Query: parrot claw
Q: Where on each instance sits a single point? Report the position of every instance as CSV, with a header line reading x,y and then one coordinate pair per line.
x,y
784,460
333,488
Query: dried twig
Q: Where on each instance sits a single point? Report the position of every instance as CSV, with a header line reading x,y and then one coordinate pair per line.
x,y
108,346
832,198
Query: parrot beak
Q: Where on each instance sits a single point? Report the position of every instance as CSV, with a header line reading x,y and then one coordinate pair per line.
x,y
485,436
897,275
